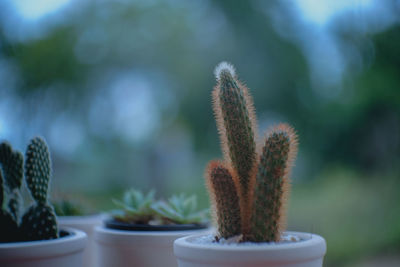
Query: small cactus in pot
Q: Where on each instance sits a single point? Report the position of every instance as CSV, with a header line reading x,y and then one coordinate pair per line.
x,y
249,188
39,221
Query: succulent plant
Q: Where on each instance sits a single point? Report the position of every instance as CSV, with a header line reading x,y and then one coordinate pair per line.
x,y
136,207
39,221
180,209
139,208
249,188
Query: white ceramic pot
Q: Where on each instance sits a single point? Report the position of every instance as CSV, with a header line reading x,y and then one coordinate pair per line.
x,y
85,224
309,252
121,248
62,252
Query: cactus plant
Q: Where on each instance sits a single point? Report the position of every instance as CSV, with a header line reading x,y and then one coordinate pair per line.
x,y
11,174
12,163
236,121
8,224
249,188
39,221
225,199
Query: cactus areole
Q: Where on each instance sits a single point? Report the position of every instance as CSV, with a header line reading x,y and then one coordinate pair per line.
x,y
249,187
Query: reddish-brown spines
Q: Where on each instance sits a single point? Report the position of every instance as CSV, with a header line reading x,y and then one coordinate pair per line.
x,y
236,122
225,199
272,185
260,183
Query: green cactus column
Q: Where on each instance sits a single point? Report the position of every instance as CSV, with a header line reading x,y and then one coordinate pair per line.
x,y
11,168
270,191
236,121
8,224
39,222
224,198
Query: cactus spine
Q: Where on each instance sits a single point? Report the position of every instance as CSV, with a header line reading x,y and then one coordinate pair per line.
x,y
260,183
39,221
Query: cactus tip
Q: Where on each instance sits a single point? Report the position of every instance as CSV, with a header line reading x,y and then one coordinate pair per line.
x,y
224,67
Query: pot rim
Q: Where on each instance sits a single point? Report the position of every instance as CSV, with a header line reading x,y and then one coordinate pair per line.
x,y
109,236
307,239
311,246
75,241
103,230
111,223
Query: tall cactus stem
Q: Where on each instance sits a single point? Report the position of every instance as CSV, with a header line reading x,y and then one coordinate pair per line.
x,y
224,198
236,122
272,185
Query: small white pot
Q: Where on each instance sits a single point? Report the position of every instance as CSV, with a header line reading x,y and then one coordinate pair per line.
x,y
121,248
85,224
309,252
62,252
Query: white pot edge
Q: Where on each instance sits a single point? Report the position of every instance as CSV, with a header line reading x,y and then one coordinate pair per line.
x,y
312,248
45,248
105,235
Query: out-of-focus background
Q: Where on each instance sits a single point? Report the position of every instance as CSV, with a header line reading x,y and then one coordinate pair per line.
x,y
121,91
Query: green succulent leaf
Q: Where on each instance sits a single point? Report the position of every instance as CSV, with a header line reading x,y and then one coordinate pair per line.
x,y
135,207
180,209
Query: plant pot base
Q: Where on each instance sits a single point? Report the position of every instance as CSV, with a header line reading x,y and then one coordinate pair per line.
x,y
121,248
308,252
66,251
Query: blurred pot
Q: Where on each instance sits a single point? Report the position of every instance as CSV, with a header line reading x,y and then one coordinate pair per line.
x,y
85,224
65,251
140,245
308,252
